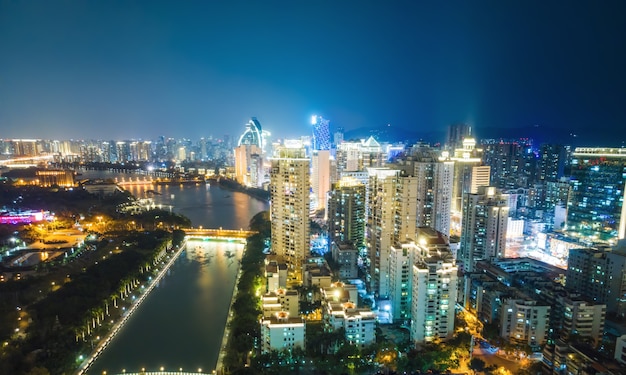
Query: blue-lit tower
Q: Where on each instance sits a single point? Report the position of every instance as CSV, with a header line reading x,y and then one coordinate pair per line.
x,y
321,133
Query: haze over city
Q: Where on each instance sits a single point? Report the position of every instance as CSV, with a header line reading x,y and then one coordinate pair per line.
x,y
139,70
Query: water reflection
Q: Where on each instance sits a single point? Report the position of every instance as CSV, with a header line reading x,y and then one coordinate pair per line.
x,y
182,322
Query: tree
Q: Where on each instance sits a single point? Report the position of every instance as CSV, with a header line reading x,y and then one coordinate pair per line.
x,y
477,364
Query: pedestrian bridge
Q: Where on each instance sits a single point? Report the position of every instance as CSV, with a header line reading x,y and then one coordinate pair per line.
x,y
225,234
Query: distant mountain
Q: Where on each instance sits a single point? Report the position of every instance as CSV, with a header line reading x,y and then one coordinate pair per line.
x,y
540,134
396,134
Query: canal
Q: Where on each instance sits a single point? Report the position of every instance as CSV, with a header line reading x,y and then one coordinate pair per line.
x,y
181,323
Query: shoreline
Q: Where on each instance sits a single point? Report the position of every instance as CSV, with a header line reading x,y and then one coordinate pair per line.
x,y
220,356
86,364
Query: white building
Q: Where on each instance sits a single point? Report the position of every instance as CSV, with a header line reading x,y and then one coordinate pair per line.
x,y
392,205
434,187
281,300
524,321
358,323
289,210
275,274
280,331
434,295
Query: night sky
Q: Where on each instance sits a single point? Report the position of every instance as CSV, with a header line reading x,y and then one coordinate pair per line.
x,y
140,69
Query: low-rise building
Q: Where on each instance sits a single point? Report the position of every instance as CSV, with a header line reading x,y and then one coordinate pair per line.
x,y
281,331
280,300
345,254
524,321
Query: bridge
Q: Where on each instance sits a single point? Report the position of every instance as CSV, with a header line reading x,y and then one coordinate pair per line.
x,y
226,234
162,373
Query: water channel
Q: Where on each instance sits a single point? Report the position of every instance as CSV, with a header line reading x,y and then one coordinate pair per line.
x,y
181,323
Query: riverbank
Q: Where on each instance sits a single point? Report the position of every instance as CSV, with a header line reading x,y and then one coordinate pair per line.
x,y
220,357
84,367
232,185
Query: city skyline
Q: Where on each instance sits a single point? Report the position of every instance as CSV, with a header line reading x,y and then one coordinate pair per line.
x,y
120,71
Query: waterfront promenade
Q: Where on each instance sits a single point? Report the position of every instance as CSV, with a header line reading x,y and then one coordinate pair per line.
x,y
84,367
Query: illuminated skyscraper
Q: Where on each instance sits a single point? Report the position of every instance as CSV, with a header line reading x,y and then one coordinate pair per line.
x,y
433,290
249,155
321,133
392,201
253,134
485,218
434,187
595,208
289,189
320,179
346,212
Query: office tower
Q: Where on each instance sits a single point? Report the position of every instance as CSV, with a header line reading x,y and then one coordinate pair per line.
x,y
483,234
469,173
253,135
554,159
289,190
140,150
434,186
321,133
600,276
320,178
338,137
249,155
513,164
434,289
595,208
456,134
346,212
392,201
358,156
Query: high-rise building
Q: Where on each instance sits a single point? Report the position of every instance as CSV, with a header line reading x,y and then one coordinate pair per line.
x,y
249,155
600,276
321,133
358,156
512,164
434,187
392,201
456,134
469,173
253,135
320,178
346,212
289,189
595,209
554,159
434,290
485,219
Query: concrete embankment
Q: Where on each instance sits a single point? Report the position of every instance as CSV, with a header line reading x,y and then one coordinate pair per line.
x,y
84,367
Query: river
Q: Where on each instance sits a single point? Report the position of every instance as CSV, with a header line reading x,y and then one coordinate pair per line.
x,y
181,323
